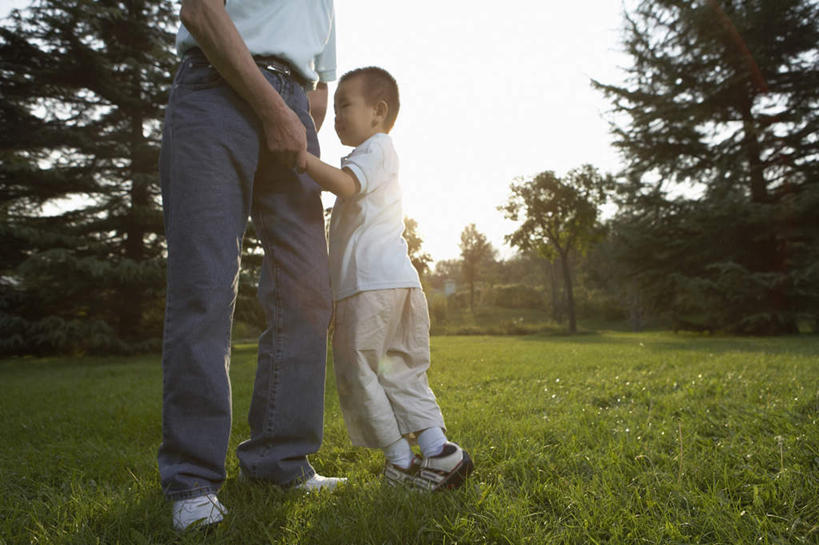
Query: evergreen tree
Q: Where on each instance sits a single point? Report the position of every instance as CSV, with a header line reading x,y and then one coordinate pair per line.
x,y
84,87
718,218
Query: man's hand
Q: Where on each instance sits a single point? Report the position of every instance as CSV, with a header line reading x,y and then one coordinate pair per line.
x,y
208,22
286,139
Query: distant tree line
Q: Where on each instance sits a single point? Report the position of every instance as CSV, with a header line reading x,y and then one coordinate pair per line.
x,y
716,225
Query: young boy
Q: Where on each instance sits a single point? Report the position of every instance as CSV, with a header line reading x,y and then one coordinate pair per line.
x,y
381,338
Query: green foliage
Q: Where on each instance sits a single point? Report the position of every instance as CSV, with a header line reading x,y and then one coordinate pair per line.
x,y
708,264
490,319
614,438
557,217
421,260
721,93
517,296
527,282
476,253
84,87
445,269
717,225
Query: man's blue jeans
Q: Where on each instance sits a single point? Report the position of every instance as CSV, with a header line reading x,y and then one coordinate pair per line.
x,y
215,174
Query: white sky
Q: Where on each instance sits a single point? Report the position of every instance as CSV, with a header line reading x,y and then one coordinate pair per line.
x,y
489,91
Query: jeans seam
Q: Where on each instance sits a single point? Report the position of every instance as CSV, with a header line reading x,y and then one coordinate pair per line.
x,y
276,352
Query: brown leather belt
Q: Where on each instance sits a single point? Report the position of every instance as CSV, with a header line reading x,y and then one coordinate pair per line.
x,y
268,62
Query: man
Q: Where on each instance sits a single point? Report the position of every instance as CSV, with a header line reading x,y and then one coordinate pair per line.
x,y
237,133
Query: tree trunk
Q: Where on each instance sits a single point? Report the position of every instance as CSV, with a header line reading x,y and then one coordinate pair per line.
x,y
472,296
567,281
635,310
753,152
555,291
130,311
771,253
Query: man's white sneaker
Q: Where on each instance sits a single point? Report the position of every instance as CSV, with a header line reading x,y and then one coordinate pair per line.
x,y
317,483
201,511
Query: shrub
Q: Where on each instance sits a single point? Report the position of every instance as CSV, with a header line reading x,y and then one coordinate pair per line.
x,y
518,296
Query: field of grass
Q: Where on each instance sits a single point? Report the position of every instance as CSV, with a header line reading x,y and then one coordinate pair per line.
x,y
598,438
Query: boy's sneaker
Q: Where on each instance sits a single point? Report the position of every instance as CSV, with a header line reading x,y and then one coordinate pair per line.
x,y
446,470
201,511
317,483
396,475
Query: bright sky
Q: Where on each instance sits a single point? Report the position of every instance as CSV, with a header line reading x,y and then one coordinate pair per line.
x,y
489,91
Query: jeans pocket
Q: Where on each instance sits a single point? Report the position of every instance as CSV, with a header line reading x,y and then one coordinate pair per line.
x,y
197,74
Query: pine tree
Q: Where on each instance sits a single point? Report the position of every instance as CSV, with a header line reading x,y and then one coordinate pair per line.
x,y
84,87
718,217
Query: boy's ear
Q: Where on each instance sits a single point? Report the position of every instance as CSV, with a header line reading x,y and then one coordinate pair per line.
x,y
381,109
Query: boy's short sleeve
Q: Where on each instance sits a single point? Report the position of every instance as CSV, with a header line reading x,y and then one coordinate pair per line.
x,y
367,163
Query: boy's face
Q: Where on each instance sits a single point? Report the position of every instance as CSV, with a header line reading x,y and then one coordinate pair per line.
x,y
356,120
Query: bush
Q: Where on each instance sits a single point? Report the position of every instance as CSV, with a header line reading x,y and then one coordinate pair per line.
x,y
518,296
598,305
438,308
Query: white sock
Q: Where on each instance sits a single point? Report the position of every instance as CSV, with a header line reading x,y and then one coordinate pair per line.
x,y
399,453
431,441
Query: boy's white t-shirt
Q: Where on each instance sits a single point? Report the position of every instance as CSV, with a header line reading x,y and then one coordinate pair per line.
x,y
367,249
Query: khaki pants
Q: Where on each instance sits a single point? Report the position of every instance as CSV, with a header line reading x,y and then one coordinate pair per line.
x,y
381,356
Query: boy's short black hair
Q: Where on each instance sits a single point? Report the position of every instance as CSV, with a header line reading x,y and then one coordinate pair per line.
x,y
378,85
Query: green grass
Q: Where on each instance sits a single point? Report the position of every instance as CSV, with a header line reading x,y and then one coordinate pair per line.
x,y
600,438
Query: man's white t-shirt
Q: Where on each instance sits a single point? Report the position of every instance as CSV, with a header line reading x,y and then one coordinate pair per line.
x,y
367,249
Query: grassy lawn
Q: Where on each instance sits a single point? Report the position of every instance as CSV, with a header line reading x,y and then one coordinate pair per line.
x,y
603,438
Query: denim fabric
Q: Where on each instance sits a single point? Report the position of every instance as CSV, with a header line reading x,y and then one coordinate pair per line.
x,y
215,174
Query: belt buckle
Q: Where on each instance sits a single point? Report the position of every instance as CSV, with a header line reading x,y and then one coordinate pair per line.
x,y
276,67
